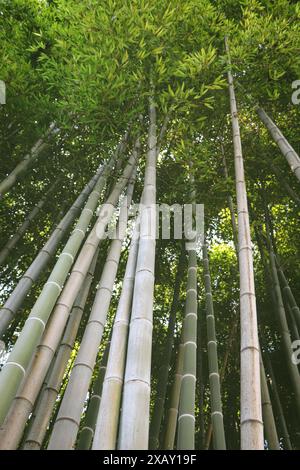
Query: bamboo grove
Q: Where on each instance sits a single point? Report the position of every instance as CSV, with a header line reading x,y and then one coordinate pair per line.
x,y
111,338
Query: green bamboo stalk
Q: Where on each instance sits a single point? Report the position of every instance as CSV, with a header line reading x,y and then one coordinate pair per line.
x,y
286,149
251,413
214,378
172,414
134,426
286,185
50,391
281,418
200,379
267,411
162,382
11,243
289,294
87,432
186,416
36,150
16,298
68,419
292,323
285,334
108,416
18,361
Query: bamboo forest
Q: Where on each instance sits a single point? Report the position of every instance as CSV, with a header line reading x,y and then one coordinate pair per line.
x,y
150,235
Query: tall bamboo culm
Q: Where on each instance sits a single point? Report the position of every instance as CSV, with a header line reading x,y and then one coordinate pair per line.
x,y
14,369
12,242
251,412
214,377
109,411
134,426
162,382
36,150
66,427
48,394
16,298
286,149
172,413
86,435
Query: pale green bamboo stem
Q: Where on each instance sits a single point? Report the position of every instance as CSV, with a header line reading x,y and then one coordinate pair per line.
x,y
108,417
68,419
286,149
267,412
134,426
251,413
214,377
50,391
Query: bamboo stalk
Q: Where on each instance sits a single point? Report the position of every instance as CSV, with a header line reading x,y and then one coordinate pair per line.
x,y
286,185
267,411
186,416
108,416
289,295
14,302
134,427
68,419
214,377
36,150
251,413
172,414
162,382
87,432
11,243
286,149
49,393
18,361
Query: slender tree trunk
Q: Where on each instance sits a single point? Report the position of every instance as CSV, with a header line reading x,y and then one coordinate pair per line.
x,y
36,150
87,432
286,185
251,413
49,393
15,300
15,368
286,338
281,418
286,149
200,375
267,411
24,226
108,417
134,427
289,295
166,359
172,414
68,419
214,378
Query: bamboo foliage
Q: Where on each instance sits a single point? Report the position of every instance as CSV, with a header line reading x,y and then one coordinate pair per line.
x,y
108,416
50,391
251,413
15,300
214,377
68,419
134,426
36,150
15,368
286,149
